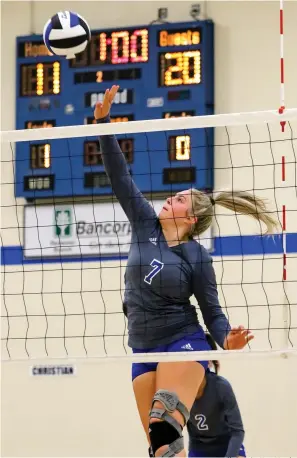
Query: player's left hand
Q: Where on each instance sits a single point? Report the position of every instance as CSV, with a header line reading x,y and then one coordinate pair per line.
x,y
237,338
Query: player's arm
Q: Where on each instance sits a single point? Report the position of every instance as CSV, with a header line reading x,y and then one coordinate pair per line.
x,y
206,293
232,418
136,207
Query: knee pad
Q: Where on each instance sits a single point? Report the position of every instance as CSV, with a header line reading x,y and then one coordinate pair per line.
x,y
167,431
163,433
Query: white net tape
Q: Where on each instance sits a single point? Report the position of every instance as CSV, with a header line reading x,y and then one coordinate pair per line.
x,y
153,125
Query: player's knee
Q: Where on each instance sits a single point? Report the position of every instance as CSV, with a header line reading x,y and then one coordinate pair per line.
x,y
165,438
176,414
164,430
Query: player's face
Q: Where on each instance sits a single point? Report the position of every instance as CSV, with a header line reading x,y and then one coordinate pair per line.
x,y
177,207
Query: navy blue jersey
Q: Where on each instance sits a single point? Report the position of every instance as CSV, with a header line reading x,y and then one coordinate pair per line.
x,y
159,280
215,422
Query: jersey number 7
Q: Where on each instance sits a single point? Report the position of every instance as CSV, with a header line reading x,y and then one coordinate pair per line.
x,y
157,267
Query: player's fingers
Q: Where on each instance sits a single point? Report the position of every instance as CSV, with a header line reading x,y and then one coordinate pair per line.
x,y
106,103
241,330
106,97
113,92
98,110
236,331
249,338
245,337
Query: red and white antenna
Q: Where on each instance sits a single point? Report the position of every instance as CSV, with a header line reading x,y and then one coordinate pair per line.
x,y
282,68
283,172
283,123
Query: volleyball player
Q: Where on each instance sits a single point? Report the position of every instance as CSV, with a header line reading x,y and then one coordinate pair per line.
x,y
215,426
165,268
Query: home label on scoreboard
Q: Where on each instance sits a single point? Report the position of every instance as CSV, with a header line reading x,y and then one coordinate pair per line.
x,y
163,71
32,49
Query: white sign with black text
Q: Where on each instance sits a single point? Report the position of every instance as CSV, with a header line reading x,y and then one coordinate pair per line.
x,y
53,370
95,229
122,97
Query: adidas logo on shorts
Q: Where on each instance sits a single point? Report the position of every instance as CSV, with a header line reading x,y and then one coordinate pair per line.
x,y
187,347
153,240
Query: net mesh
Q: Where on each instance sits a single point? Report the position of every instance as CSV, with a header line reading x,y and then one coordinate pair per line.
x,y
57,305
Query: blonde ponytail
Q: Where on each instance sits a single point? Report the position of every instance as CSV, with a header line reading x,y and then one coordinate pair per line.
x,y
250,205
237,201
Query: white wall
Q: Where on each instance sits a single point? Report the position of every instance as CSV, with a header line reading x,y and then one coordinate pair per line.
x,y
79,416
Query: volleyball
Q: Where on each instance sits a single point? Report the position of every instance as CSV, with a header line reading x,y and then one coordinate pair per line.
x,y
66,34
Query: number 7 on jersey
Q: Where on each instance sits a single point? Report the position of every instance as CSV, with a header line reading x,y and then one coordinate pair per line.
x,y
157,267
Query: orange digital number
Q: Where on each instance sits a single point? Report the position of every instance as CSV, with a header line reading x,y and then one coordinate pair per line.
x,y
99,77
185,70
40,156
182,148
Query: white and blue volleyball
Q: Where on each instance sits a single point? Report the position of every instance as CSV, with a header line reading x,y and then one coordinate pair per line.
x,y
66,34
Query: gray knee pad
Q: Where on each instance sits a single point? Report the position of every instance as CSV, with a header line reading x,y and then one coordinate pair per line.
x,y
168,431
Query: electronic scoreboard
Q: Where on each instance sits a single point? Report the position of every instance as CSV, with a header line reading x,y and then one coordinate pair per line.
x,y
163,71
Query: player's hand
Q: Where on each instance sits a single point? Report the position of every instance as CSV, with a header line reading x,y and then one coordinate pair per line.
x,y
237,338
102,109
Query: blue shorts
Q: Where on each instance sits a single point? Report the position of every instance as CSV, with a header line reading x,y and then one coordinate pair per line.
x,y
193,342
218,453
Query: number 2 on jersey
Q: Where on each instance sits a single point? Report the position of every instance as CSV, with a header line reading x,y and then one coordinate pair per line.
x,y
201,422
157,267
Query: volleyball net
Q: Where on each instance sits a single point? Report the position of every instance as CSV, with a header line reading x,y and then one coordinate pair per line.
x,y
64,248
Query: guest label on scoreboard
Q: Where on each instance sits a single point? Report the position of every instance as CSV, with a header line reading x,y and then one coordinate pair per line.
x,y
180,37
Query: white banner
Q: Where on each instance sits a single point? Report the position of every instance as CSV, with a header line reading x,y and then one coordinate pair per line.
x,y
95,229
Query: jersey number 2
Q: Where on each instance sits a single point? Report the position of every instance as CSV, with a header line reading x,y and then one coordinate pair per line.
x,y
201,425
157,267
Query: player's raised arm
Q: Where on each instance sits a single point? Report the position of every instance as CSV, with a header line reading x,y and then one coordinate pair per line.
x,y
136,207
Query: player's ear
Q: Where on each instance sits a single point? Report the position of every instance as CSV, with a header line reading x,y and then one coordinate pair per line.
x,y
192,220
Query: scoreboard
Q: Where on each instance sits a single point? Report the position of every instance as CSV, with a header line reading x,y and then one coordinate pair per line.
x,y
163,71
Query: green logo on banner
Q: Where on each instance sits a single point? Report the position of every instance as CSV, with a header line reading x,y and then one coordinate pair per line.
x,y
63,223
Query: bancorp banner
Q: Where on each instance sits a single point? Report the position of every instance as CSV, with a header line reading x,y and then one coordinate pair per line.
x,y
95,229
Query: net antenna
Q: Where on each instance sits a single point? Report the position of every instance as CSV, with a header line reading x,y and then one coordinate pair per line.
x,y
286,308
251,143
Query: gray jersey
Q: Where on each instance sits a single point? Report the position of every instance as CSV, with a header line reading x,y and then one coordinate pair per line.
x,y
215,424
159,280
